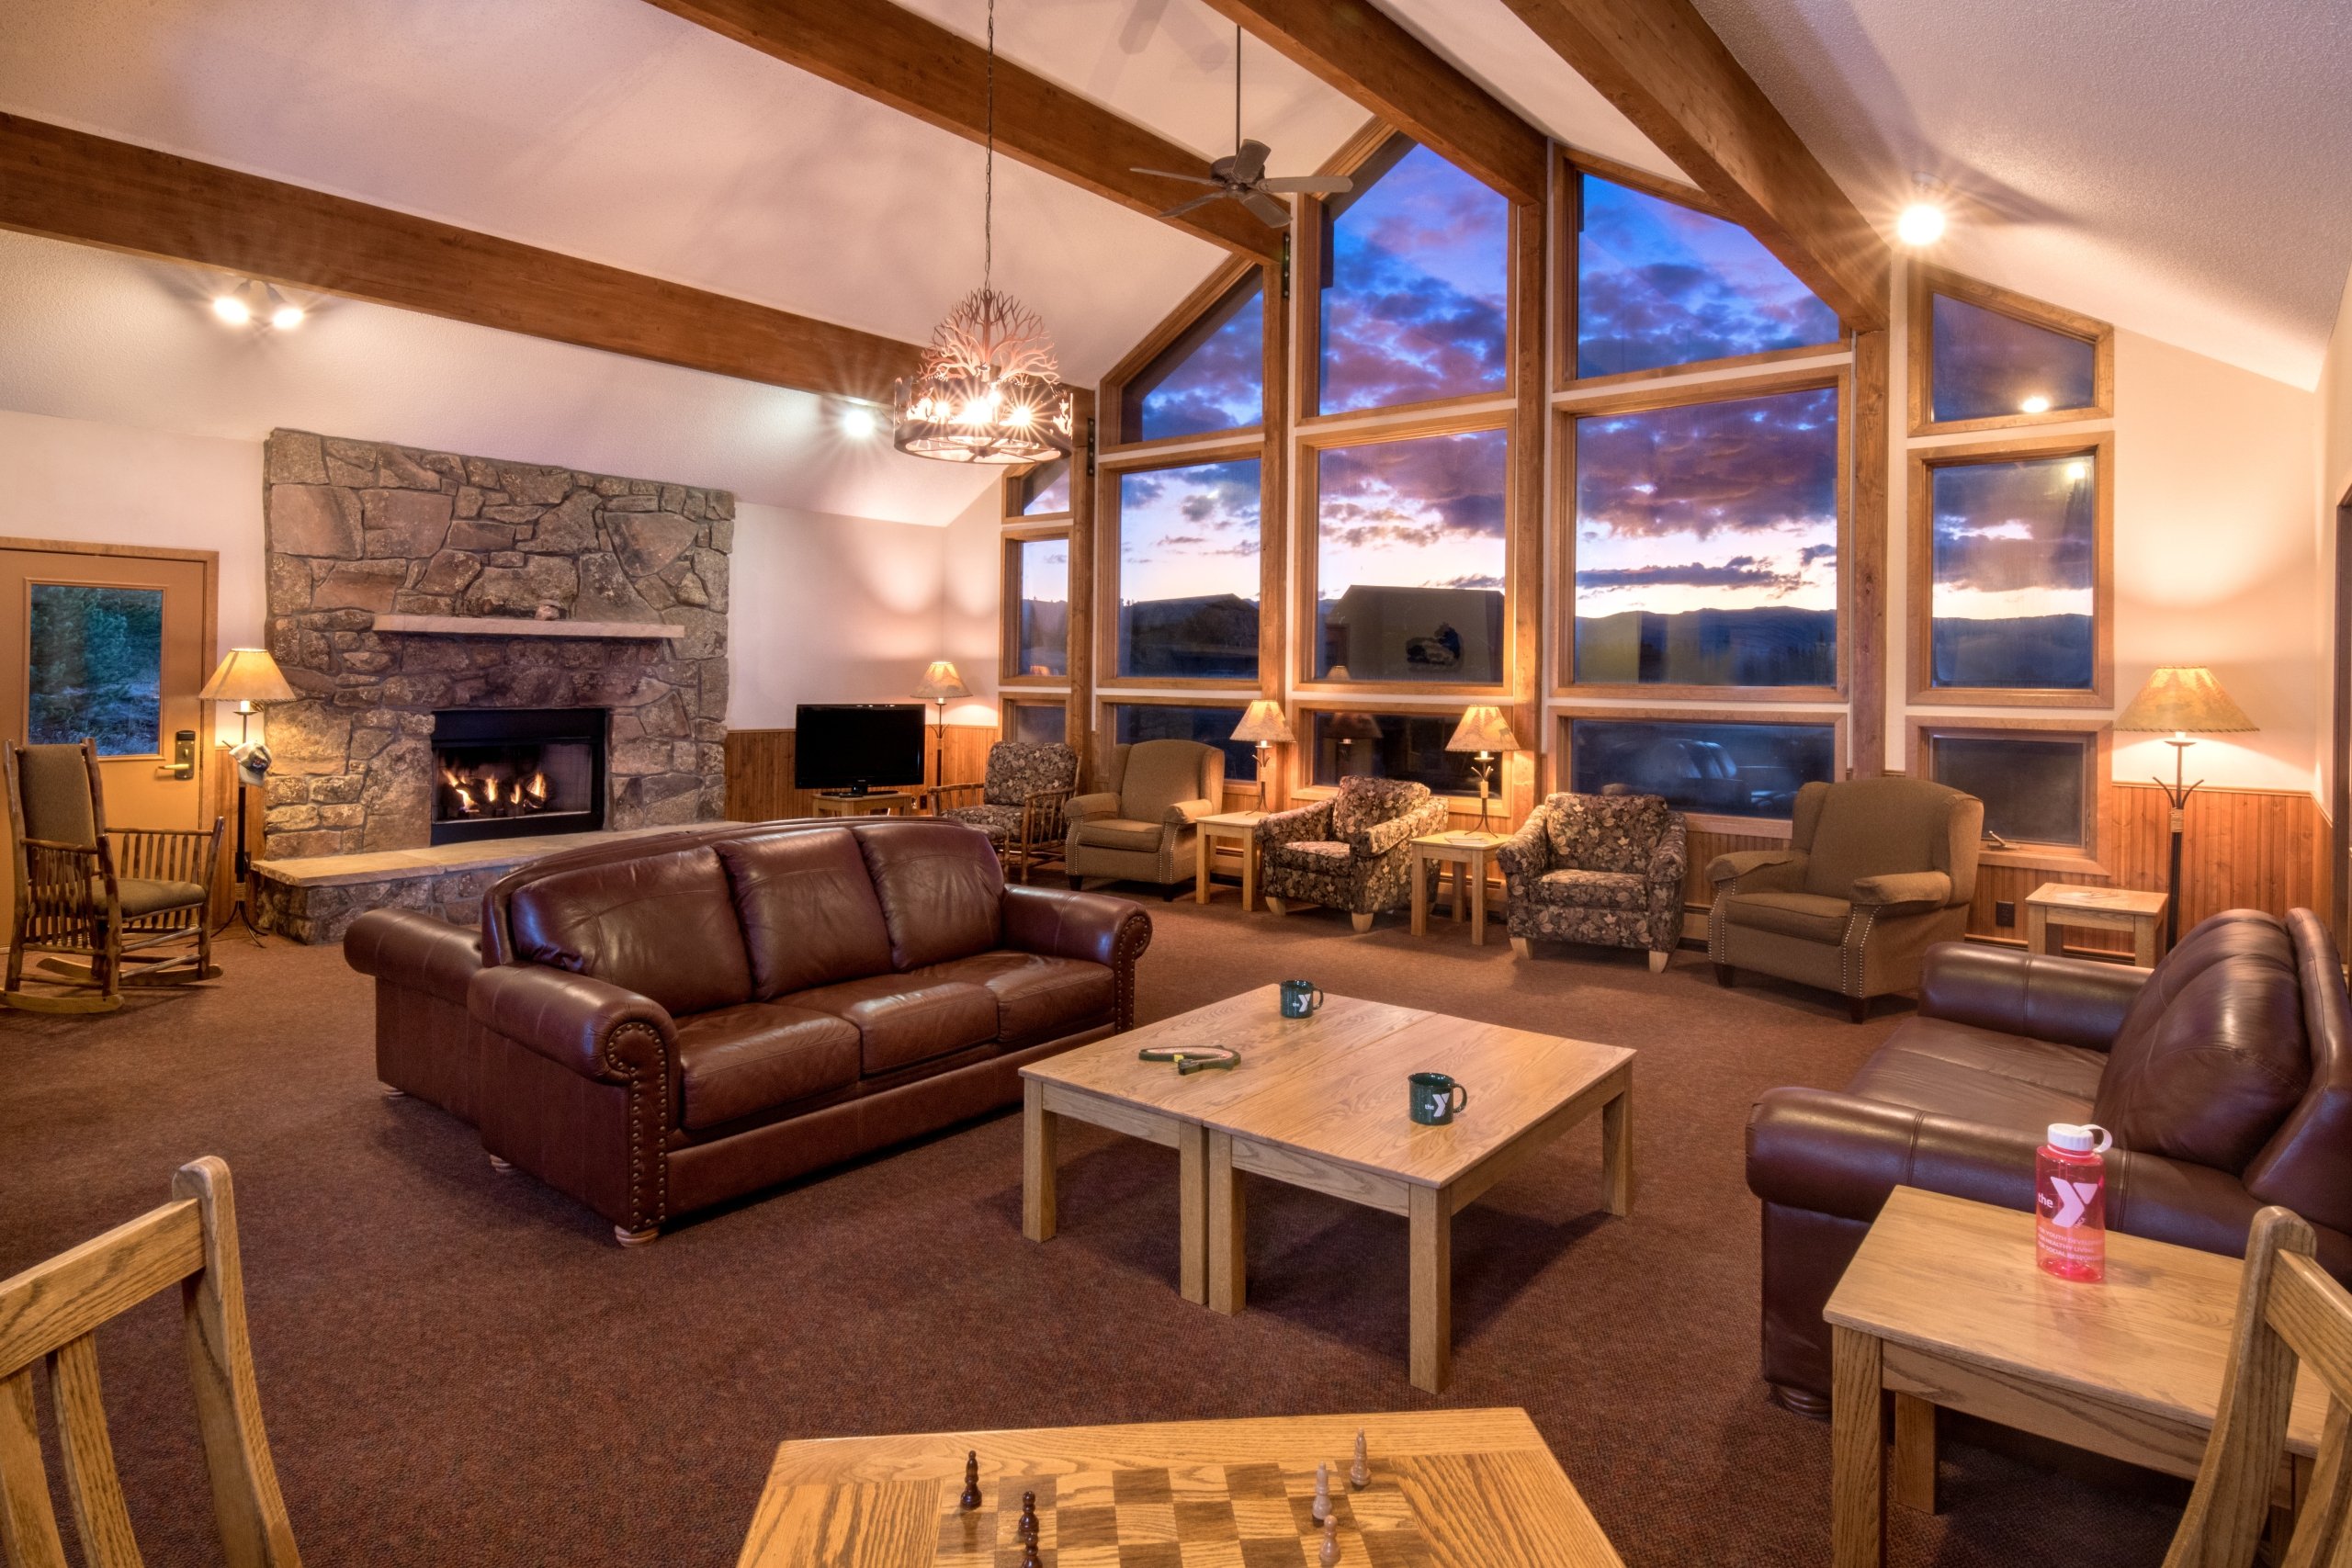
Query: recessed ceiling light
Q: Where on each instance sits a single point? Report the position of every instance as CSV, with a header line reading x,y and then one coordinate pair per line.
x,y
232,309
2034,404
858,422
1922,223
286,318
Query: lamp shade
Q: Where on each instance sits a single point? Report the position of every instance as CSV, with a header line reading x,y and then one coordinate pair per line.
x,y
2184,699
940,682
1483,728
1264,724
247,675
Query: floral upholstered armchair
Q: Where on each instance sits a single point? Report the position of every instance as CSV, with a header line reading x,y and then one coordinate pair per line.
x,y
1604,869
1349,852
1020,802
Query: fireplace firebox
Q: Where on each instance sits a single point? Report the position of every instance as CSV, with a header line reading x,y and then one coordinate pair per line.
x,y
506,772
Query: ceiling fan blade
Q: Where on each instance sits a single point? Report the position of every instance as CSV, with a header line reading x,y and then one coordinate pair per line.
x,y
1249,163
1173,174
1136,31
1183,207
1308,185
1273,213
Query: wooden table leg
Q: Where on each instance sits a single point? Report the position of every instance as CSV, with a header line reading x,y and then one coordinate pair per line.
x,y
1461,881
1420,893
1429,1219
1249,874
1039,1132
1228,1229
1617,1152
1857,1452
1202,855
1193,1209
2143,943
1915,1452
1476,872
2037,930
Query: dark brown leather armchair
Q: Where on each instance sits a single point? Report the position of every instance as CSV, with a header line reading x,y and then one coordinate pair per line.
x,y
2225,1076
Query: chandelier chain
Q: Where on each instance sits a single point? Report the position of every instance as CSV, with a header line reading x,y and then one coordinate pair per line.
x,y
988,179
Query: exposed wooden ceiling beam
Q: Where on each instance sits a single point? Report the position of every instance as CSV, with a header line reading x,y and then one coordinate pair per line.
x,y
915,65
1665,71
68,185
1365,54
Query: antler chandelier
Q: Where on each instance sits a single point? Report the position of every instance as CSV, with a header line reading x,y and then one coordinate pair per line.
x,y
988,389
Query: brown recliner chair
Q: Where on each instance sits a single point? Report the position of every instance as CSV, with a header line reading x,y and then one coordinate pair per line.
x,y
1877,871
1140,828
2225,1075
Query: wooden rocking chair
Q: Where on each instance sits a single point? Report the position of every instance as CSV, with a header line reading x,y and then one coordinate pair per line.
x,y
132,904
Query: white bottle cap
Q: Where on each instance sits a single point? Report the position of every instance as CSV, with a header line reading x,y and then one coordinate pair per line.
x,y
2087,1138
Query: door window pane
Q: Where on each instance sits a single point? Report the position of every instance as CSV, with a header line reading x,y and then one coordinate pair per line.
x,y
1728,768
1037,723
1985,363
1415,300
1045,489
1188,571
1389,745
1041,571
1660,283
2015,555
1209,726
2032,790
1706,545
1211,379
96,668
1409,559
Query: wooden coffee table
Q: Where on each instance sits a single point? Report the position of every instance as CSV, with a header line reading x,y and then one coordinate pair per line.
x,y
1944,1307
1319,1102
1449,1489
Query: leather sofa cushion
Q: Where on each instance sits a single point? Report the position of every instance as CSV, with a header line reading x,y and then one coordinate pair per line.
x,y
1040,998
809,910
740,1061
941,888
903,1019
662,925
1121,833
2212,1055
1593,889
1968,1074
1807,915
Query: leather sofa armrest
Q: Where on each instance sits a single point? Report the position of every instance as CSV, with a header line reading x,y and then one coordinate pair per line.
x,y
1839,1155
1184,813
1096,927
1758,871
2069,1001
1527,853
590,1026
400,947
1904,890
1081,806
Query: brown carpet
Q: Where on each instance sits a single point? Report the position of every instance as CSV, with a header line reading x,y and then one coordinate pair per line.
x,y
461,1367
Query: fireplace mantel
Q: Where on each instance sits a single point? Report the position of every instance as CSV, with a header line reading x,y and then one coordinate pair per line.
x,y
517,626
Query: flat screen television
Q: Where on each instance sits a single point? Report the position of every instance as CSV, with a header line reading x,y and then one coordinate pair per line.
x,y
857,745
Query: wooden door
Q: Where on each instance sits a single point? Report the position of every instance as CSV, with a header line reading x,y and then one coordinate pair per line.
x,y
112,642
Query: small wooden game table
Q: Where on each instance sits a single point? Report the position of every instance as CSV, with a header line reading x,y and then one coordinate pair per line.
x,y
1449,1489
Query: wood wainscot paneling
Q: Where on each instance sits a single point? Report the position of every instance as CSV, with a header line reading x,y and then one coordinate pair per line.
x,y
759,769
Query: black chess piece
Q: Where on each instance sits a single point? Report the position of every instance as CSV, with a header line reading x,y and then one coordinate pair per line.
x,y
1029,1558
971,1497
1027,1528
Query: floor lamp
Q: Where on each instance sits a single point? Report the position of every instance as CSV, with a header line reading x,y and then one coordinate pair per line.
x,y
940,685
247,676
2186,700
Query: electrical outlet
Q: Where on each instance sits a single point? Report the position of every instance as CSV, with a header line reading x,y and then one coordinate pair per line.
x,y
2005,912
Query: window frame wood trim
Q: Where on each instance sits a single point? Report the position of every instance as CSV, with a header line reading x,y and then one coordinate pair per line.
x,y
1919,637
1926,279
1564,684
1108,677
1560,758
1014,478
2098,782
1112,399
1009,594
1501,803
1029,698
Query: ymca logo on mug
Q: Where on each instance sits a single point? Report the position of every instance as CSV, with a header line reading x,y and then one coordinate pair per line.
x,y
1301,997
1434,1101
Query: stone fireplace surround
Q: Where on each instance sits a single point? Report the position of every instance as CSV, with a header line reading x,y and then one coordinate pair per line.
x,y
355,529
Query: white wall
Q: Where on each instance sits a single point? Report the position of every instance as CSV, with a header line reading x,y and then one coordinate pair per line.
x,y
2334,466
968,625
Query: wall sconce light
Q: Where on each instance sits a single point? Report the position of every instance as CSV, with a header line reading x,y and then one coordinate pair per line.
x,y
253,301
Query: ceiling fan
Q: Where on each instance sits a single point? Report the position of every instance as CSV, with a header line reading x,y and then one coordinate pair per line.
x,y
1242,176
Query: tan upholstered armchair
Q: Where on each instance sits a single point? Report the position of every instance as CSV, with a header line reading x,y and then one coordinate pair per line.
x,y
1877,871
1140,828
1350,852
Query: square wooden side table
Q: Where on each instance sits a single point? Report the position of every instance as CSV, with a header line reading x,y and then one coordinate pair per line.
x,y
2055,905
1466,855
1239,831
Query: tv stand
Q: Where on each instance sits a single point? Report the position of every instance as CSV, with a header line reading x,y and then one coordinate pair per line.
x,y
868,803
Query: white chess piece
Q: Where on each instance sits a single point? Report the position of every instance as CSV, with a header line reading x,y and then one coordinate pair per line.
x,y
1322,1505
1360,1472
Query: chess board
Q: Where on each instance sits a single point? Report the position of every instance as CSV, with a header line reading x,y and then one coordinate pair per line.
x,y
1201,1516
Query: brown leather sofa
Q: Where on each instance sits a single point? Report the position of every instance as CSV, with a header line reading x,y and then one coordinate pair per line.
x,y
2225,1075
659,1026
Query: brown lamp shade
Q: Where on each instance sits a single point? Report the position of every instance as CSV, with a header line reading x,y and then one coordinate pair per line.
x,y
1264,724
247,675
941,682
1483,728
2184,699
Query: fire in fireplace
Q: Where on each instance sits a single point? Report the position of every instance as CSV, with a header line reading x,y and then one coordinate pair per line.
x,y
506,772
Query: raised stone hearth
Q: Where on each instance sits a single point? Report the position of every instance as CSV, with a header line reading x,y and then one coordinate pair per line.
x,y
358,529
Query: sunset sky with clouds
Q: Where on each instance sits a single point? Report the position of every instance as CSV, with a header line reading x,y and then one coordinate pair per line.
x,y
1216,387
2014,539
1190,532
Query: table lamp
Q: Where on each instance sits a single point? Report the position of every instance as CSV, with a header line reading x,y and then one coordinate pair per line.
x,y
248,675
2187,701
939,685
1264,726
1486,733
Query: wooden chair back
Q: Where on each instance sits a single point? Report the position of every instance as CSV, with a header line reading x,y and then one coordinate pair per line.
x,y
2291,1314
50,1315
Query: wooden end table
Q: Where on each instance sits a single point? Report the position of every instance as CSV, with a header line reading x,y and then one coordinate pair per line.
x,y
1943,1306
2054,905
874,803
1466,856
1239,829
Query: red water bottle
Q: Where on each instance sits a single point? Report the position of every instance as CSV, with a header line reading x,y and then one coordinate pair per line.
x,y
2069,1202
